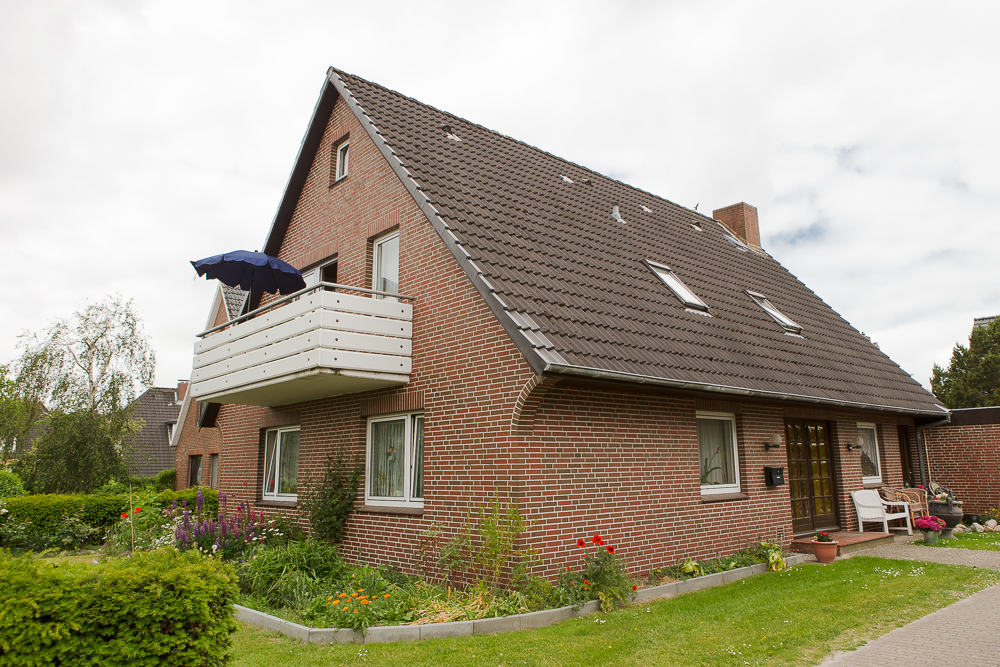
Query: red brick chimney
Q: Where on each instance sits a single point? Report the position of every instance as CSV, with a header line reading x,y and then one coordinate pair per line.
x,y
182,387
741,220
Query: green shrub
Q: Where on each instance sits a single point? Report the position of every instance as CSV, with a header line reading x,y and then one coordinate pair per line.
x,y
165,480
604,577
291,574
10,485
331,501
156,608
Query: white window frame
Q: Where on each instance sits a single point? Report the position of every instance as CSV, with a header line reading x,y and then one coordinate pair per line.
x,y
313,275
876,479
375,263
274,495
786,323
343,160
677,286
407,499
213,465
711,489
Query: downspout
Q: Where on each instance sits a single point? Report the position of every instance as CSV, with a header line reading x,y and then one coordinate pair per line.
x,y
922,456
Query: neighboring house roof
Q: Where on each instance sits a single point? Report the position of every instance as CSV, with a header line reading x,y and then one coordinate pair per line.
x,y
540,239
157,407
235,299
983,321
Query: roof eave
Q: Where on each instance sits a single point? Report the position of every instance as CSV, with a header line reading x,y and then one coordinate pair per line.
x,y
633,378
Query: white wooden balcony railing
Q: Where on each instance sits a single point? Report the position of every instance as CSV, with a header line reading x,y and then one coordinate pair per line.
x,y
312,344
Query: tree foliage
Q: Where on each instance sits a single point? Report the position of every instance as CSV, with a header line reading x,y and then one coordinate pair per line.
x,y
19,410
972,379
87,370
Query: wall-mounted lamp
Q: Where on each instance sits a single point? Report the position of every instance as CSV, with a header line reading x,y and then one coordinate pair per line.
x,y
773,443
855,444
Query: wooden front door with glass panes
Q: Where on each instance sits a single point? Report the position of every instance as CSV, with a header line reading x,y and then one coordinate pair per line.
x,y
810,476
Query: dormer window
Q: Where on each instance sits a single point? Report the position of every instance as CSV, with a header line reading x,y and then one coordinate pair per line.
x,y
777,315
680,290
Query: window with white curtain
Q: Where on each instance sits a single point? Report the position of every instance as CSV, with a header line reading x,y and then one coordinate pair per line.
x,y
717,455
385,272
871,468
395,465
281,464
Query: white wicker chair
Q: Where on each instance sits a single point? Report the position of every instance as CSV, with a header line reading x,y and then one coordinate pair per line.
x,y
872,508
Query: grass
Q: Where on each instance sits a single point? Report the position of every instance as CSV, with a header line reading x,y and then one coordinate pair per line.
x,y
787,618
976,541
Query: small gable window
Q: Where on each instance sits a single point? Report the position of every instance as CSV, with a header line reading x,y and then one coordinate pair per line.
x,y
681,290
339,159
787,324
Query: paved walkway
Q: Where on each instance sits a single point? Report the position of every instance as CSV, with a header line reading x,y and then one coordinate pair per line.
x,y
964,634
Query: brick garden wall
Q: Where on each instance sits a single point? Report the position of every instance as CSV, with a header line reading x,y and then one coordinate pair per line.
x,y
966,459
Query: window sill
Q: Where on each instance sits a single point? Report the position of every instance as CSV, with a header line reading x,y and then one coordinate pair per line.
x,y
288,504
337,182
384,509
873,485
722,497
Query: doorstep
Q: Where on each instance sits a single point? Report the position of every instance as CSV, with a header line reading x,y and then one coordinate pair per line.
x,y
849,541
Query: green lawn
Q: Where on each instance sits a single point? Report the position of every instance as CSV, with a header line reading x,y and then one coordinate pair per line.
x,y
978,541
793,618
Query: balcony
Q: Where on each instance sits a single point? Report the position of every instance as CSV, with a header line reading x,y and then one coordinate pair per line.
x,y
313,344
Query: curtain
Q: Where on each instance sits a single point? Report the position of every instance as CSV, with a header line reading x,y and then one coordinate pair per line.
x,y
387,266
715,451
288,465
417,458
270,462
386,458
869,453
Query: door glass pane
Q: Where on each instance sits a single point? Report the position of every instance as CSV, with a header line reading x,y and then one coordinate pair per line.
x,y
715,451
288,468
417,458
386,459
270,461
387,266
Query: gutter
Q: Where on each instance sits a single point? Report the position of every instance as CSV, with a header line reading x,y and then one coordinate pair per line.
x,y
633,378
923,458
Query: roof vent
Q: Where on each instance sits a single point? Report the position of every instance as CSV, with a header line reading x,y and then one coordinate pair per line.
x,y
586,181
616,215
696,227
447,131
567,179
646,209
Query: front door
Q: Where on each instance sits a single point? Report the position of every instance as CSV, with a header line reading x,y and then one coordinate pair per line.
x,y
905,456
810,476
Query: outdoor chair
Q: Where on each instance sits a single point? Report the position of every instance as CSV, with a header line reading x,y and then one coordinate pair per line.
x,y
917,498
873,509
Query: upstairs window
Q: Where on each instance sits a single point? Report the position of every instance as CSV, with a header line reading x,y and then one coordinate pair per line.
x,y
396,461
385,272
281,464
775,314
677,287
341,158
326,273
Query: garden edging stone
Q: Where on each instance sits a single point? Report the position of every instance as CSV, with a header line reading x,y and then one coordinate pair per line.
x,y
380,634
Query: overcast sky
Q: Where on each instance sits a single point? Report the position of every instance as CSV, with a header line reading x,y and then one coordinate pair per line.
x,y
136,136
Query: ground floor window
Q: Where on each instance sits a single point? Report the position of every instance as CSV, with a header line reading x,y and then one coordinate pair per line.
x,y
871,469
717,455
214,459
395,460
194,478
281,464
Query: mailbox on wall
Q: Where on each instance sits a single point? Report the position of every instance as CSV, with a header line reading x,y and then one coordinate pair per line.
x,y
774,476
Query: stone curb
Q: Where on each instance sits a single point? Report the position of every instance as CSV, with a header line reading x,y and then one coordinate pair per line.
x,y
380,634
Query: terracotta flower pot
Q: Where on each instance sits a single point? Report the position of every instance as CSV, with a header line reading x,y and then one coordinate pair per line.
x,y
825,552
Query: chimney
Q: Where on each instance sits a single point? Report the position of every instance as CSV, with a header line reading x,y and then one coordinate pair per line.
x,y
182,386
741,220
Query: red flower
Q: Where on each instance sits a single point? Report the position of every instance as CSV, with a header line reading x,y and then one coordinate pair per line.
x,y
633,588
586,582
138,509
124,515
598,540
580,543
567,568
611,550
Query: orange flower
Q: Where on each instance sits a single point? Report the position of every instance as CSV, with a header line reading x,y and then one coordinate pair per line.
x,y
355,611
343,595
354,595
336,602
365,602
330,598
386,595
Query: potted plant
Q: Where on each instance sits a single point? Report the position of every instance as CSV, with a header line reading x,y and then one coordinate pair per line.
x,y
932,527
825,548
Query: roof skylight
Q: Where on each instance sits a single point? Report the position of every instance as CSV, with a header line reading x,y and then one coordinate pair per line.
x,y
646,209
680,290
779,317
567,179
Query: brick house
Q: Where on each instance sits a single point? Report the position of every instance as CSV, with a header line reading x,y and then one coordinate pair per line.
x,y
964,456
495,320
158,408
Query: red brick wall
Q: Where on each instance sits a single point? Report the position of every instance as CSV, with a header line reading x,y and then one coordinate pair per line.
x,y
578,459
966,459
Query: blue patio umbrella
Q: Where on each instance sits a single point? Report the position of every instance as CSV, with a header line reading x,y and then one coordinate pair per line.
x,y
251,271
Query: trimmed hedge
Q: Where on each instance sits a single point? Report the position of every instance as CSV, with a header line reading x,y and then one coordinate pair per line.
x,y
47,511
163,607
